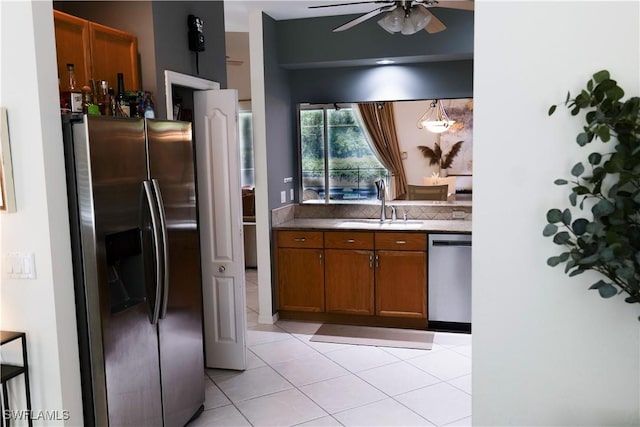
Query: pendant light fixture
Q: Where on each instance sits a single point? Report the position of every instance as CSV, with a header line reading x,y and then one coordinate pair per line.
x,y
435,119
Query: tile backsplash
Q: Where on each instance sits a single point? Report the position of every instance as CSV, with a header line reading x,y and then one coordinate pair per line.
x,y
424,212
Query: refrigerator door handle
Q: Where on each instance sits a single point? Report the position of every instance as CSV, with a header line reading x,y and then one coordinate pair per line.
x,y
165,249
155,314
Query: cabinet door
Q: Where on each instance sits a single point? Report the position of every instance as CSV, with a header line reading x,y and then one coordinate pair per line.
x,y
300,279
112,52
349,281
72,47
401,283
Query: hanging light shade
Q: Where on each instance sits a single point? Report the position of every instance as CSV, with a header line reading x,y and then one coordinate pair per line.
x,y
435,119
405,20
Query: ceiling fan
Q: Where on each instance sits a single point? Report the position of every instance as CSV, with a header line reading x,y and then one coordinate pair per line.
x,y
406,16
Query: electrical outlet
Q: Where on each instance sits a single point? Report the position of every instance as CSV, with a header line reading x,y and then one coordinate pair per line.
x,y
283,197
458,215
292,194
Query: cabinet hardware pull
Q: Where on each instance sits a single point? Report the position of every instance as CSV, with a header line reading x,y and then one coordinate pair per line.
x,y
377,261
300,239
351,241
401,242
320,255
370,261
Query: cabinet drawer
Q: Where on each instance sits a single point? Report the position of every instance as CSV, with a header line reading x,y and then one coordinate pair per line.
x,y
401,241
348,240
300,239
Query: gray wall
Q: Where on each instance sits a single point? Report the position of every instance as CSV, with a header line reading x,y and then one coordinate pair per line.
x,y
282,156
310,43
383,83
172,46
162,32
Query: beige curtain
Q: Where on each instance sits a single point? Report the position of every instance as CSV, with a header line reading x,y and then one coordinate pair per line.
x,y
379,122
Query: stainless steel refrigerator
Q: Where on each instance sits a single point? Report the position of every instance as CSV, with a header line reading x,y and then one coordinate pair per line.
x,y
132,203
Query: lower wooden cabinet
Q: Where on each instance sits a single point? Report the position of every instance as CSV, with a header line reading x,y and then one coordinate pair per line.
x,y
348,281
401,284
300,271
401,274
353,274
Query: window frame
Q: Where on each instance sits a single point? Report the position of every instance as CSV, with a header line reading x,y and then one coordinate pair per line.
x,y
325,107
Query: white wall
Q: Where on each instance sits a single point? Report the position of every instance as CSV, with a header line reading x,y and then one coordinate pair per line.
x,y
44,308
546,351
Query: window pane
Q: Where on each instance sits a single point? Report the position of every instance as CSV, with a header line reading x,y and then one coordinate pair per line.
x,y
312,147
248,178
353,167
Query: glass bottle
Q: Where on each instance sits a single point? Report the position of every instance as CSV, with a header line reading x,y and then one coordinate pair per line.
x,y
149,112
72,93
122,103
105,99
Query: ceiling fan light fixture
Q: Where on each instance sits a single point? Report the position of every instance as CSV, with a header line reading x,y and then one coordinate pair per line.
x,y
406,22
393,21
435,119
415,22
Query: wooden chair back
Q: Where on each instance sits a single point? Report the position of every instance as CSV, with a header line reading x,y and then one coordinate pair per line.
x,y
428,192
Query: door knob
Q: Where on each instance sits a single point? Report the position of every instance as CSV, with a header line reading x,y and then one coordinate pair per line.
x,y
221,269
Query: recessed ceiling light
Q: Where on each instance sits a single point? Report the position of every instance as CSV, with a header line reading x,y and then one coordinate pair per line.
x,y
385,61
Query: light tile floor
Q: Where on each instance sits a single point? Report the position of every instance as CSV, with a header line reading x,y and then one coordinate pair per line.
x,y
291,381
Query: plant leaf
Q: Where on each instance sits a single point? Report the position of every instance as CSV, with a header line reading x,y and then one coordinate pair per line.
x,y
580,226
448,158
560,182
606,290
550,230
561,238
552,109
553,261
583,138
429,154
554,215
601,76
602,208
595,158
577,170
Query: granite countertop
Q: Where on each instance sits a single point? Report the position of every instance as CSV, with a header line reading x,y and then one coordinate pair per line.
x,y
444,226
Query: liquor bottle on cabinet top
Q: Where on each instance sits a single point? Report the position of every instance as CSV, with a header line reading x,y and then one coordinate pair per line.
x,y
122,103
72,94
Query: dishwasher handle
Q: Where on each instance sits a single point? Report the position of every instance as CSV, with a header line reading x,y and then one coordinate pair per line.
x,y
451,243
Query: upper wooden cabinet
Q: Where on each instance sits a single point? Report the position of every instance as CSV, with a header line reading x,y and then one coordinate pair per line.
x,y
96,51
72,47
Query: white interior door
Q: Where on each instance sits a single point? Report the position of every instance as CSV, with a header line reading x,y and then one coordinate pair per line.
x,y
221,241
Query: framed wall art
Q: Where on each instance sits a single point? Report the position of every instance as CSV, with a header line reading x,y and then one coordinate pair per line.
x,y
7,192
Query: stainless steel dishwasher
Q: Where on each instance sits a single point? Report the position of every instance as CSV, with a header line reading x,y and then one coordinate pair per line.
x,y
449,282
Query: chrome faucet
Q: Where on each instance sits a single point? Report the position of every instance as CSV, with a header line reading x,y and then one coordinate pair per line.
x,y
380,186
393,213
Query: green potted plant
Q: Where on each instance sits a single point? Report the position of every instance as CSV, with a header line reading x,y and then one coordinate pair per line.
x,y
606,188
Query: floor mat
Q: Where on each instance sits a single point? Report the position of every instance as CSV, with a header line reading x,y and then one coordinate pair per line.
x,y
369,335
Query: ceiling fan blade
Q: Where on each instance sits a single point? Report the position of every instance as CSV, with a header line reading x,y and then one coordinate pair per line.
x,y
435,25
360,19
349,4
455,4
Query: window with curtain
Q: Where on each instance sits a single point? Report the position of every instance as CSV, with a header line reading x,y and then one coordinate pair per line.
x,y
336,159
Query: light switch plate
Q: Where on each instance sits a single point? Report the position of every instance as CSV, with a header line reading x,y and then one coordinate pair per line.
x,y
20,265
292,194
283,197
